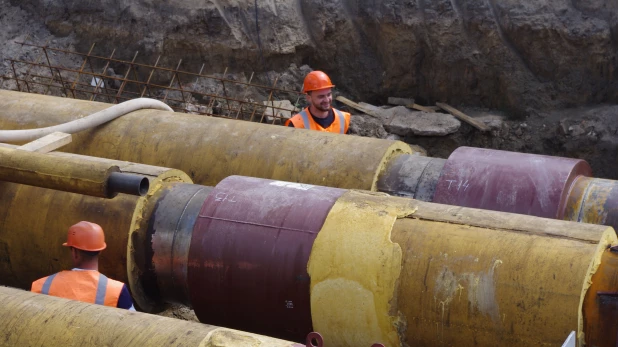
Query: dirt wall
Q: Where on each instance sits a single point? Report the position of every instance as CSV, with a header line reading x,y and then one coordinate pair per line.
x,y
515,55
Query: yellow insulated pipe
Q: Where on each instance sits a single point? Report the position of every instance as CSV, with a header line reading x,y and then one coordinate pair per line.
x,y
405,272
80,175
29,319
34,221
210,149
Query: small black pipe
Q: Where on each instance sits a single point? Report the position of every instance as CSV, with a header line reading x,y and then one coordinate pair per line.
x,y
128,184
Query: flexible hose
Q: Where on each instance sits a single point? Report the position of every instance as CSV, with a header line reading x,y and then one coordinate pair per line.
x,y
87,122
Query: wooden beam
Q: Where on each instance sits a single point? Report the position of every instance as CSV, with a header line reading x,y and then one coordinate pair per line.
x,y
423,108
47,143
462,116
357,106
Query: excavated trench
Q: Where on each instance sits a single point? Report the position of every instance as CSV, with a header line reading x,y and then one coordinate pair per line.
x,y
542,75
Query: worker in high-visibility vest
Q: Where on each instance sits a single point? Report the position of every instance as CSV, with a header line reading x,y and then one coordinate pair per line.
x,y
84,282
320,115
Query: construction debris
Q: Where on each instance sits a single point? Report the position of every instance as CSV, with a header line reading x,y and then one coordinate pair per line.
x,y
405,122
423,108
402,121
363,109
462,116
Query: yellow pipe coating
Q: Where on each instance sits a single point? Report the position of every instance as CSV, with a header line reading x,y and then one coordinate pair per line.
x,y
207,148
29,319
354,267
76,175
35,222
447,275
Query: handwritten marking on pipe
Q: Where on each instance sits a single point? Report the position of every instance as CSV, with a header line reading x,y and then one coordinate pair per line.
x,y
458,185
292,185
222,197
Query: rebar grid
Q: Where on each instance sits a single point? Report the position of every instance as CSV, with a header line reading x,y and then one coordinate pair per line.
x,y
95,80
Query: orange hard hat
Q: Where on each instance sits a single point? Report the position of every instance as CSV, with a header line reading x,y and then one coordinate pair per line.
x,y
316,80
86,236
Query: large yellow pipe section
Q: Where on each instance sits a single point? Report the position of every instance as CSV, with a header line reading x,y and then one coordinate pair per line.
x,y
210,149
29,319
405,272
34,222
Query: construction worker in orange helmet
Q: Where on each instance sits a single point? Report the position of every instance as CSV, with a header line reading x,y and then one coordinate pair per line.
x,y
320,115
84,282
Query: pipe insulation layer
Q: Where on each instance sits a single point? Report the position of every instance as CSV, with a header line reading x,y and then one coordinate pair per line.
x,y
207,148
422,274
80,175
29,319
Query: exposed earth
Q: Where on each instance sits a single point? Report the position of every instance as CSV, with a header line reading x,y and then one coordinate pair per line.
x,y
542,75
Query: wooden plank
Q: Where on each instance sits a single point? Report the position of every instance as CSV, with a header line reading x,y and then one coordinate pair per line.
x,y
462,116
357,106
400,101
47,143
423,108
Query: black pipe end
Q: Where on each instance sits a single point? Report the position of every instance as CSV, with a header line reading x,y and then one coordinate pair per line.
x,y
128,184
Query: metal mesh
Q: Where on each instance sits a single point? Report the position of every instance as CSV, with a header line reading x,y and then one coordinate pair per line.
x,y
111,80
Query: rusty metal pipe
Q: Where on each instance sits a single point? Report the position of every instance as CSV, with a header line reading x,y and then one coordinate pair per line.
x,y
593,200
29,319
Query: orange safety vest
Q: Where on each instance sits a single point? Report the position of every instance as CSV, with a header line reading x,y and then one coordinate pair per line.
x,y
83,285
304,120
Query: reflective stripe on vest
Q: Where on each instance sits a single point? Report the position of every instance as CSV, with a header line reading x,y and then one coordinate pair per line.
x,y
337,113
305,119
47,284
101,288
341,121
